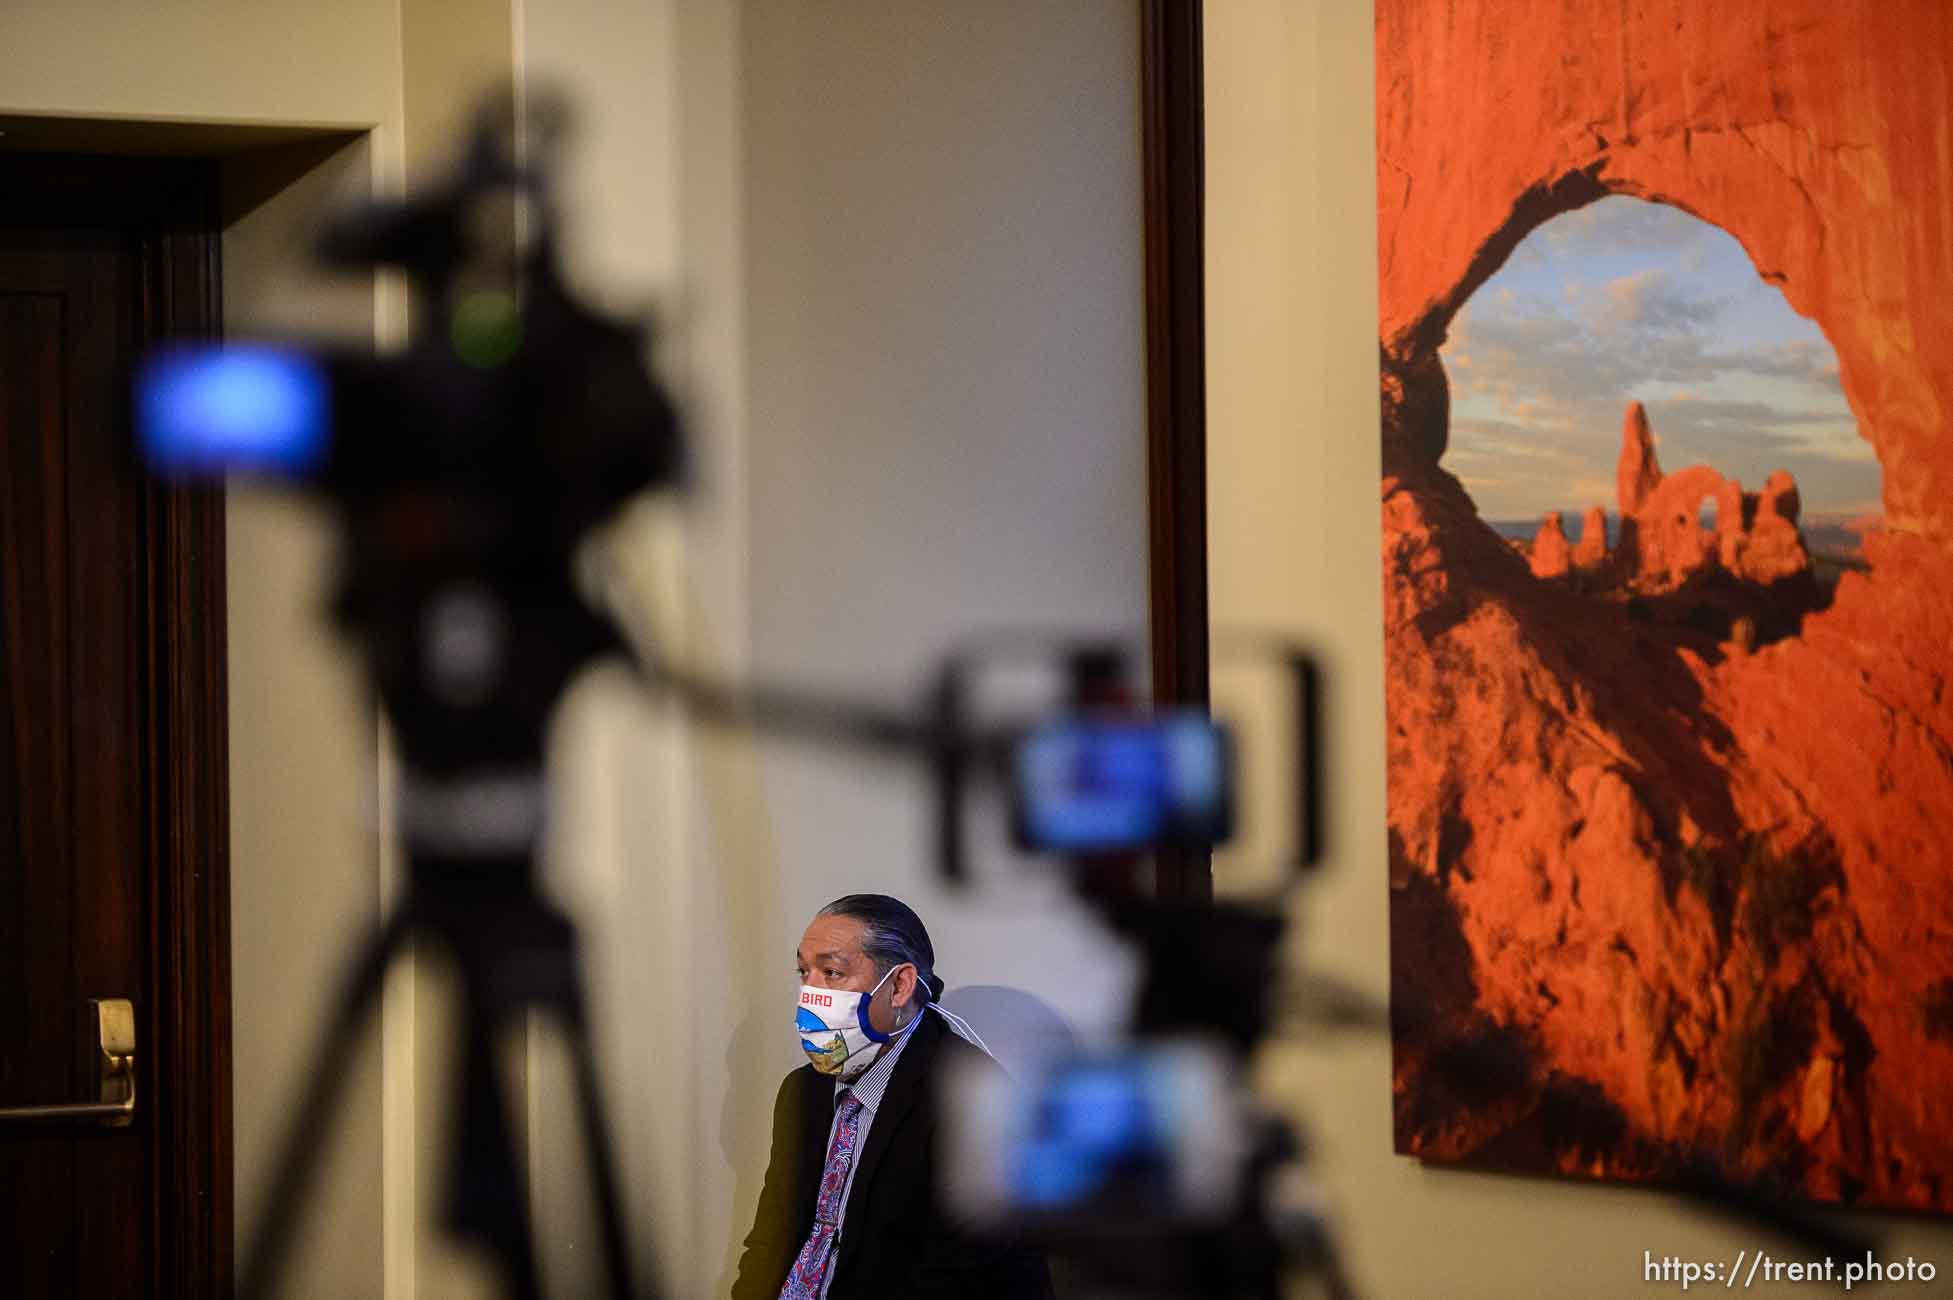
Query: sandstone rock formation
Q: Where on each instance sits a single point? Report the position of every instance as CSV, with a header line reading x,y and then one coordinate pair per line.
x,y
1673,547
1663,544
1733,519
1638,471
1809,130
1772,549
1590,554
1551,557
1655,898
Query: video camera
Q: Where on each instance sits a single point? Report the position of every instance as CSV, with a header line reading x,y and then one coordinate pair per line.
x,y
465,472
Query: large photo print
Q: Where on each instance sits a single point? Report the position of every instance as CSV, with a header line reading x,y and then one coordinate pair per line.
x,y
1667,373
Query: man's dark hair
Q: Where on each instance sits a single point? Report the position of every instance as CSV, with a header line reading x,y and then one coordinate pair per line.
x,y
892,934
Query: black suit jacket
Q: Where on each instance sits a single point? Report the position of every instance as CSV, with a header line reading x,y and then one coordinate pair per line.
x,y
897,1241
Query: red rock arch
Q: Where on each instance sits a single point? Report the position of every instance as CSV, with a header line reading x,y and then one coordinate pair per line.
x,y
1671,519
1814,133
1589,801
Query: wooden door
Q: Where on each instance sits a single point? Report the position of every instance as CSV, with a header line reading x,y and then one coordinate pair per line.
x,y
114,879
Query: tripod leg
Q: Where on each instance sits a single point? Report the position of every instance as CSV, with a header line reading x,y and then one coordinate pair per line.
x,y
598,1153
307,1124
487,1197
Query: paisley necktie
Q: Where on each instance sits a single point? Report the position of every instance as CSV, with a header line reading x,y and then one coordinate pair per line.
x,y
810,1268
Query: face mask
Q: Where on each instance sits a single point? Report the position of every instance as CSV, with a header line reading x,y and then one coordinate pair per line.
x,y
834,1029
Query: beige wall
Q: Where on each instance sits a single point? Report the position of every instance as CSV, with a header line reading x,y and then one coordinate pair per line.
x,y
620,855
308,869
270,61
305,877
1294,536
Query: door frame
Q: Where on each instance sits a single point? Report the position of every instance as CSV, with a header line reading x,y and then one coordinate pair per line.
x,y
1173,168
169,208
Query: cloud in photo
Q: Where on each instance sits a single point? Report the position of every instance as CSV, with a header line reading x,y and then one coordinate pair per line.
x,y
1630,301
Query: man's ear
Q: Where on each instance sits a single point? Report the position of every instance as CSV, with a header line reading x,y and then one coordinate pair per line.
x,y
901,989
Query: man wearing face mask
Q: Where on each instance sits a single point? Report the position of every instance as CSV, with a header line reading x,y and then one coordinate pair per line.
x,y
850,1208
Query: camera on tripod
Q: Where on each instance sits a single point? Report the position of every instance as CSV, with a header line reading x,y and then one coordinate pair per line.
x,y
1143,1161
466,471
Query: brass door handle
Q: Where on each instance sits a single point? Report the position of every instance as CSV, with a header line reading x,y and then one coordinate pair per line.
x,y
115,1026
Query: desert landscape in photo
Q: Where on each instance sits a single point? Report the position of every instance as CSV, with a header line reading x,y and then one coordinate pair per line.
x,y
1667,374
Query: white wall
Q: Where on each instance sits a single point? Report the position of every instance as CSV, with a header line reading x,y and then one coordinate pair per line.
x,y
899,251
1294,523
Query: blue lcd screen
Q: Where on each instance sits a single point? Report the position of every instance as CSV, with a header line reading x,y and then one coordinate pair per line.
x,y
215,410
1086,786
1095,1126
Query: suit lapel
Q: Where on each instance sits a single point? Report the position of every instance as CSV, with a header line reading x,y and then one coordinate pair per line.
x,y
816,1113
905,1089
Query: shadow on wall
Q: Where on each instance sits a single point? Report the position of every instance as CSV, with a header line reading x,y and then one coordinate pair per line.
x,y
746,1116
1020,1029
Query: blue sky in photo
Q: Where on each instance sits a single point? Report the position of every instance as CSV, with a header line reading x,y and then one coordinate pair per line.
x,y
1624,301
